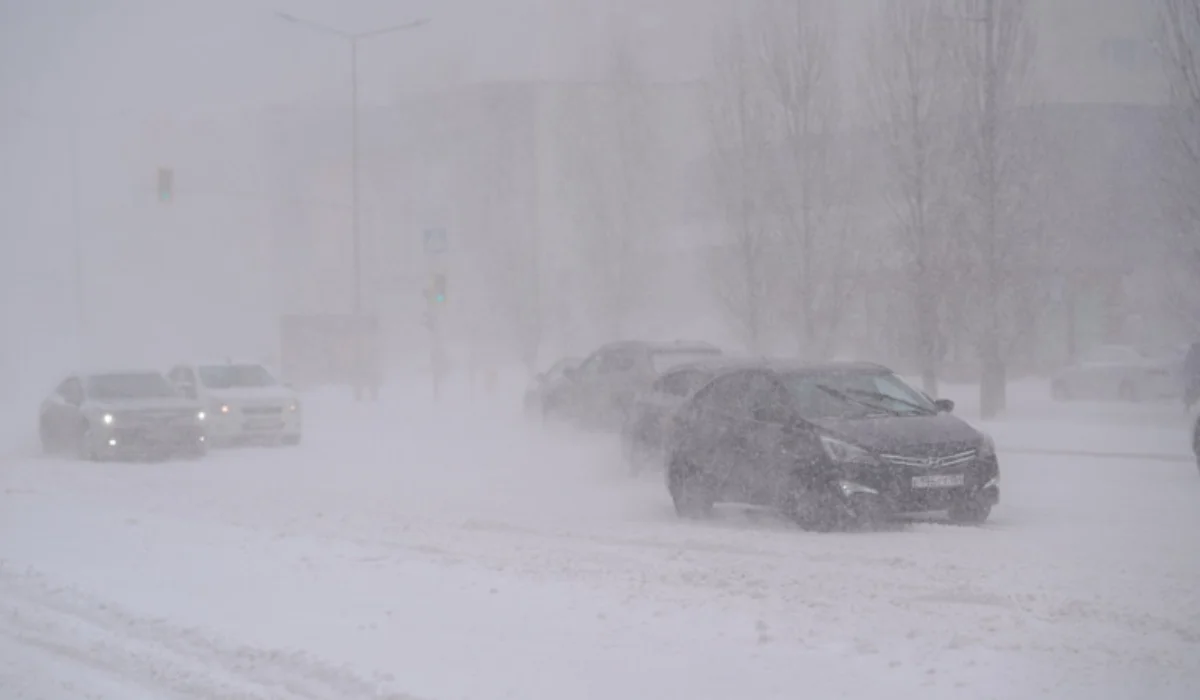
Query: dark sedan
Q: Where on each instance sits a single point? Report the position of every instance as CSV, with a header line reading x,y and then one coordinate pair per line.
x,y
830,445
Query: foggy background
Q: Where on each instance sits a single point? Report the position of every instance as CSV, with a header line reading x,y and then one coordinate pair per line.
x,y
603,170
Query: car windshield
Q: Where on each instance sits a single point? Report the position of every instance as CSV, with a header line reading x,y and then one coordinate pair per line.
x,y
235,376
855,395
141,385
664,360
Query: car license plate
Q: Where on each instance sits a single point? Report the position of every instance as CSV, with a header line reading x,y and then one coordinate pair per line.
x,y
938,481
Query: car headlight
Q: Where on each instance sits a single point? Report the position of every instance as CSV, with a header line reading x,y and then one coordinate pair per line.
x,y
842,452
201,415
224,408
987,447
294,406
108,418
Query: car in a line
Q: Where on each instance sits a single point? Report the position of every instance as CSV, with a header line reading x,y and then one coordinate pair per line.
x,y
599,392
644,433
831,446
1119,373
245,402
121,414
546,383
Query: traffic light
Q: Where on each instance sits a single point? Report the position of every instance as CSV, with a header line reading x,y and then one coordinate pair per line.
x,y
166,184
439,288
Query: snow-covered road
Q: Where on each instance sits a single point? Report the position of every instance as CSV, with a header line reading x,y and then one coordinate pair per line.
x,y
451,552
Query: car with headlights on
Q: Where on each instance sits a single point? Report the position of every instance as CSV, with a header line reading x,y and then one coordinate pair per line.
x,y
114,415
830,445
245,402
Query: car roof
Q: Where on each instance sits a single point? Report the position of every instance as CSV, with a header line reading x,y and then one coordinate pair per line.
x,y
787,366
228,361
113,371
663,346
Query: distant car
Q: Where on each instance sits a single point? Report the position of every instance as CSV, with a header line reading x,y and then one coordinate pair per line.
x,y
644,433
245,402
1118,372
600,392
116,415
546,383
831,446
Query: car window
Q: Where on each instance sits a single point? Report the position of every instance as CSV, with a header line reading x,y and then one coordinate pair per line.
x,y
682,383
666,360
136,385
235,376
618,362
816,395
728,395
182,375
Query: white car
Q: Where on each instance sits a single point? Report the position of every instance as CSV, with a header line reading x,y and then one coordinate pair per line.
x,y
1118,372
244,402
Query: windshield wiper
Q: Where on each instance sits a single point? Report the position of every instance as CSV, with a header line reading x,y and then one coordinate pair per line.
x,y
836,393
888,397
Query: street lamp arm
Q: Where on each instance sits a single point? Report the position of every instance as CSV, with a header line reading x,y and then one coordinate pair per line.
x,y
315,26
388,30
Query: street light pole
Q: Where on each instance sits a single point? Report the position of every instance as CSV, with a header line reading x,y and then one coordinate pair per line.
x,y
353,39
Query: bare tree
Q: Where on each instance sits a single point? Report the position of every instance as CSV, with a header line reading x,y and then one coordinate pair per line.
x,y
1180,46
802,96
994,47
908,59
736,111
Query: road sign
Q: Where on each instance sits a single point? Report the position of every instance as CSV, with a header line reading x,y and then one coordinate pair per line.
x,y
435,241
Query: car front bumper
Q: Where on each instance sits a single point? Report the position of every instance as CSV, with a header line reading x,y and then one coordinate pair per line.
x,y
238,425
121,442
905,490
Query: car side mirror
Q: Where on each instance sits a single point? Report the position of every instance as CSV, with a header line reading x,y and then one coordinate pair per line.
x,y
944,405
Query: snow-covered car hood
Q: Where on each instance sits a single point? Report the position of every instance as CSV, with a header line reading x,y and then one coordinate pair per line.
x,y
895,432
158,404
253,393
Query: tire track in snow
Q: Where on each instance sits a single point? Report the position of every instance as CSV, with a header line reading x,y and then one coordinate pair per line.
x,y
161,657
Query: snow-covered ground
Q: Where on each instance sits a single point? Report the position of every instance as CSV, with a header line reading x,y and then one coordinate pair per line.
x,y
454,551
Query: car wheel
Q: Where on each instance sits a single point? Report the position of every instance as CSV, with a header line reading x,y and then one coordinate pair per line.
x,y
84,449
972,512
46,438
692,497
813,510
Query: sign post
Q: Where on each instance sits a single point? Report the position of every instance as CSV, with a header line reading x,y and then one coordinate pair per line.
x,y
435,243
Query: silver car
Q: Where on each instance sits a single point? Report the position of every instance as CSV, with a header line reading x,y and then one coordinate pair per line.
x,y
111,415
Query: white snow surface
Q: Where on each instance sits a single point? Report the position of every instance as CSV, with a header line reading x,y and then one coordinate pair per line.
x,y
457,551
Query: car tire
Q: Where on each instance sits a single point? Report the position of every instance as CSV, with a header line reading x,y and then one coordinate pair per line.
x,y
46,438
814,510
84,449
971,512
692,498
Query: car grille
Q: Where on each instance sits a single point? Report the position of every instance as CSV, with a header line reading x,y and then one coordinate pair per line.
x,y
262,410
153,419
931,461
